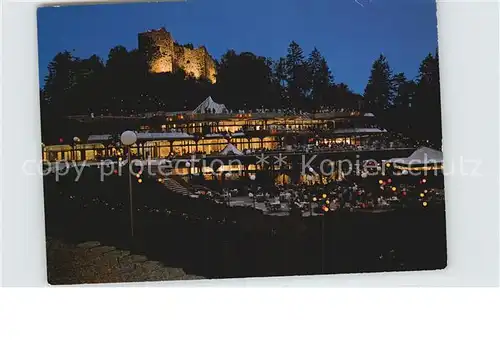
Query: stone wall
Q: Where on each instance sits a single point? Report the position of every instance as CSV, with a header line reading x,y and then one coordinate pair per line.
x,y
93,263
164,55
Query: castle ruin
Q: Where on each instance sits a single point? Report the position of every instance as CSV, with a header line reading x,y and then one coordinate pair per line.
x,y
166,55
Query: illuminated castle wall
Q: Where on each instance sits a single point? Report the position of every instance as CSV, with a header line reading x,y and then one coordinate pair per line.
x,y
165,55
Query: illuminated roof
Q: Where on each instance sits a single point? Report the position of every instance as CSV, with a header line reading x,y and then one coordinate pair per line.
x,y
94,138
163,136
423,156
210,104
359,131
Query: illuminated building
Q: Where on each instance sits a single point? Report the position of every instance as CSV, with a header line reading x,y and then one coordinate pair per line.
x,y
165,55
182,133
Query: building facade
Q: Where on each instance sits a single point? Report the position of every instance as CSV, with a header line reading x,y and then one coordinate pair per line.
x,y
183,134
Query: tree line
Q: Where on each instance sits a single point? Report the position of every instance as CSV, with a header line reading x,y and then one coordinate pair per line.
x,y
122,85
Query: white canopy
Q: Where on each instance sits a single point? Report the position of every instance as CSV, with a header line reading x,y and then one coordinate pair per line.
x,y
209,105
230,149
422,156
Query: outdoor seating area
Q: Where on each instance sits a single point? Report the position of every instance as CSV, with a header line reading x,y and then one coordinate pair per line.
x,y
213,239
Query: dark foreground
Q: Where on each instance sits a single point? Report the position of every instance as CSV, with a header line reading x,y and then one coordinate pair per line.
x,y
210,240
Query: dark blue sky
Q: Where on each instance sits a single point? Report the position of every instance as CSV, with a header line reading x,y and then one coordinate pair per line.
x,y
348,35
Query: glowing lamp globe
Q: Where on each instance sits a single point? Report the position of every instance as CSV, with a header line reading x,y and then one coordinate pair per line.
x,y
252,177
381,182
422,195
394,188
324,196
128,138
425,204
405,172
139,181
315,199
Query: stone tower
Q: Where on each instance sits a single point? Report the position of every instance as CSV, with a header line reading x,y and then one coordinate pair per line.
x,y
165,55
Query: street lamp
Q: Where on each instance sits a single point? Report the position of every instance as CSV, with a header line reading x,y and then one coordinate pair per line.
x,y
76,140
128,139
252,178
228,176
325,209
312,201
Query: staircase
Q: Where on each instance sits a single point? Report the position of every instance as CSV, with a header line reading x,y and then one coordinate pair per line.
x,y
174,186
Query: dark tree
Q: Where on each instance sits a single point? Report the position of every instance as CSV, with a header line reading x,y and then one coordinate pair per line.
x,y
298,77
125,80
245,81
88,94
404,91
59,81
280,81
344,97
321,80
399,116
427,102
379,91
56,98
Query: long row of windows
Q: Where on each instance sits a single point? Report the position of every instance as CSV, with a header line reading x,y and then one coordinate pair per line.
x,y
165,148
158,149
207,146
233,126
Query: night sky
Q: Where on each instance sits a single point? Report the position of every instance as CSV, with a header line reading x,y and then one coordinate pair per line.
x,y
350,36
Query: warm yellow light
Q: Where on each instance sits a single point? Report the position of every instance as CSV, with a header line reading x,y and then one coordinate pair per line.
x,y
324,196
119,159
388,165
426,191
315,199
140,181
327,202
422,195
381,182
394,188
138,176
326,209
425,204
